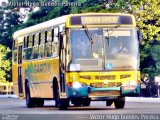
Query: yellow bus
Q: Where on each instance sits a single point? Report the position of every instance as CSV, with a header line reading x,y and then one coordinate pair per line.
x,y
72,59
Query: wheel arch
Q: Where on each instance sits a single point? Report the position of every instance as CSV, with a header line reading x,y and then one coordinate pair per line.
x,y
54,84
55,81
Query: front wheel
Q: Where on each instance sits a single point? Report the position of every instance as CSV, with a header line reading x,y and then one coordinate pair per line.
x,y
119,103
63,104
30,102
109,102
77,102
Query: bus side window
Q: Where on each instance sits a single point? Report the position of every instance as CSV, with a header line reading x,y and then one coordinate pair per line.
x,y
26,42
35,46
41,44
55,42
48,43
29,47
15,54
24,48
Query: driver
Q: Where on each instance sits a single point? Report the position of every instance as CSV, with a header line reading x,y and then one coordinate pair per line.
x,y
119,48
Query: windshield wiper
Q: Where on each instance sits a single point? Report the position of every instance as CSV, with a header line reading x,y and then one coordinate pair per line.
x,y
109,34
88,34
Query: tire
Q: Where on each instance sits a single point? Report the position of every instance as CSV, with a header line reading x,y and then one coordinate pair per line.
x,y
30,102
109,102
77,102
63,104
86,102
119,103
56,94
56,97
39,102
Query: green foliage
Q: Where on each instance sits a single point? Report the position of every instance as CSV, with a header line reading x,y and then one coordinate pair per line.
x,y
5,66
147,15
8,20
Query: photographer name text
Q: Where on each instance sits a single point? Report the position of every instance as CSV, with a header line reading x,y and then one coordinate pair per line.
x,y
44,4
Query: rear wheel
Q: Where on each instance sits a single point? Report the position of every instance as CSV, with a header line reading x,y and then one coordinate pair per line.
x,y
30,102
39,102
119,103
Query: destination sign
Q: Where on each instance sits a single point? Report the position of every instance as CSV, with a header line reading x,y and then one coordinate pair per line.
x,y
101,20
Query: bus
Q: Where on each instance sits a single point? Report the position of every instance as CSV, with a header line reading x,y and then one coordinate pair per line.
x,y
69,59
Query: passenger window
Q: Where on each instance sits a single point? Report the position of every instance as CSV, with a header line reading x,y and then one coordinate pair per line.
x,y
30,41
24,42
28,50
55,43
41,44
48,45
35,46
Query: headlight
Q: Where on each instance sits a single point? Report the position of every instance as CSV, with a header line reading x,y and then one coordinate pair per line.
x,y
130,83
126,83
133,83
76,84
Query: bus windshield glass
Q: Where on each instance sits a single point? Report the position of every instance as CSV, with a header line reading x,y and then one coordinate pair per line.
x,y
110,49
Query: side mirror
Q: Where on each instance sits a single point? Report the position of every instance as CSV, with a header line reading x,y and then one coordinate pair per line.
x,y
140,36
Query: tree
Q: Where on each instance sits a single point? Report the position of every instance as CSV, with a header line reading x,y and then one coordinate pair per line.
x,y
5,64
9,20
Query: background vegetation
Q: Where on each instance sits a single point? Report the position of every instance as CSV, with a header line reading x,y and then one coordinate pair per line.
x,y
147,15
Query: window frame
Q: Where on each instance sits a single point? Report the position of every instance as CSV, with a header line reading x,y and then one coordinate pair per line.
x,y
55,42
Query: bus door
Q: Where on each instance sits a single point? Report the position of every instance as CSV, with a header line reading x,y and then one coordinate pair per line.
x,y
62,53
20,82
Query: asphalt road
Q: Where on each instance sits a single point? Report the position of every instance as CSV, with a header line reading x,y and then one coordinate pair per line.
x,y
10,107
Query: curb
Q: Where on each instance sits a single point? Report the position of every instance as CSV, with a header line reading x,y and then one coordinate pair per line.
x,y
8,96
143,99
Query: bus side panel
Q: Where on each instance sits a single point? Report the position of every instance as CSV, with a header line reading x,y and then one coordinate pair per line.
x,y
40,74
46,78
15,78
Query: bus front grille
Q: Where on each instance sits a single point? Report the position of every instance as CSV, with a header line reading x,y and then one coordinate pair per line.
x,y
103,85
105,77
104,93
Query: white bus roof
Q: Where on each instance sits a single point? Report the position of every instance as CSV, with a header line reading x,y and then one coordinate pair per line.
x,y
39,27
54,22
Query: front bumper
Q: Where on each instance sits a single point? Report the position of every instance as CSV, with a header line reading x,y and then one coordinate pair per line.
x,y
101,93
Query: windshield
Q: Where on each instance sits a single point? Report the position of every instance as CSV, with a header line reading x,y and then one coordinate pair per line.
x,y
110,49
121,49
